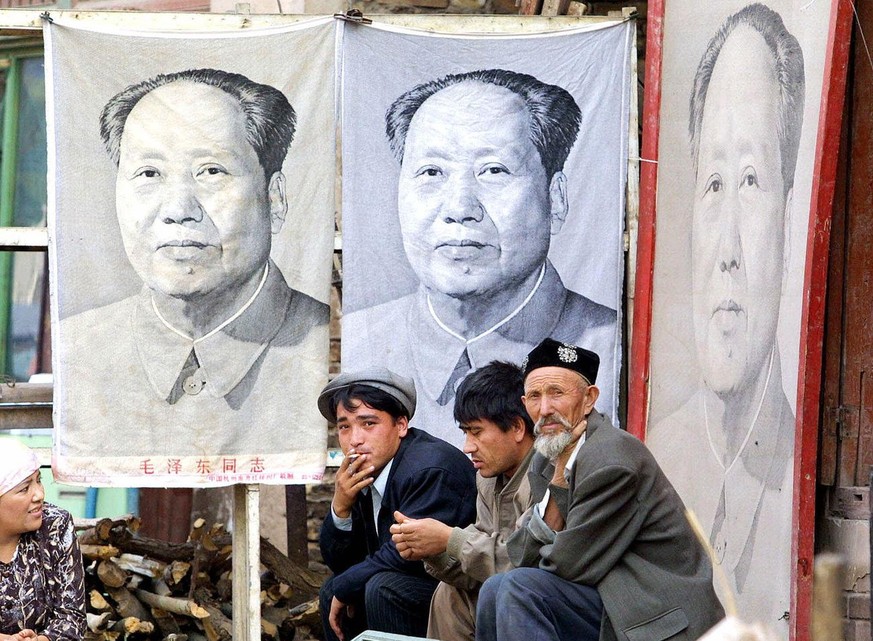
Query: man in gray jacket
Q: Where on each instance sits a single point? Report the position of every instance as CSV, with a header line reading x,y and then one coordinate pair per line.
x,y
606,551
499,439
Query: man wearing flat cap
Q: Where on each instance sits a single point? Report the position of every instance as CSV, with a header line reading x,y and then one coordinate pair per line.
x,y
606,552
388,466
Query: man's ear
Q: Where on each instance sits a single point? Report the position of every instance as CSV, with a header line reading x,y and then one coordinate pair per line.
x,y
402,424
558,200
518,429
786,238
278,203
591,397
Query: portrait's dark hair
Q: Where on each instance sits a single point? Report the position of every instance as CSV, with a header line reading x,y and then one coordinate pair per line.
x,y
554,115
493,393
270,119
352,396
789,73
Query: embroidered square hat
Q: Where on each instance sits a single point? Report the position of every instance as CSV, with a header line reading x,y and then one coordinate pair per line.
x,y
400,387
551,353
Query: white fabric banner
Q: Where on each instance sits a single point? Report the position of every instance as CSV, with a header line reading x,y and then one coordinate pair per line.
x,y
469,232
191,259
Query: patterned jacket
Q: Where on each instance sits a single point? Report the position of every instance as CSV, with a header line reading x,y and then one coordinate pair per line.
x,y
43,587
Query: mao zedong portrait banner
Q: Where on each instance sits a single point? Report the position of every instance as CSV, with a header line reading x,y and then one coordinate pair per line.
x,y
483,202
191,218
742,87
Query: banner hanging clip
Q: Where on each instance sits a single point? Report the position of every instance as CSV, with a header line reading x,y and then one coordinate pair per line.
x,y
353,15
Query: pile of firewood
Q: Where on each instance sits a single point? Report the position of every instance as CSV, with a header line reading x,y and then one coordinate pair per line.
x,y
145,589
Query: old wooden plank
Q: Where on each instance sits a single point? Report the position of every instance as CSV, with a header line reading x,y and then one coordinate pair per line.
x,y
851,503
246,564
848,450
858,348
833,335
555,7
865,428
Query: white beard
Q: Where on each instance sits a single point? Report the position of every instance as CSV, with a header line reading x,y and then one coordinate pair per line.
x,y
552,445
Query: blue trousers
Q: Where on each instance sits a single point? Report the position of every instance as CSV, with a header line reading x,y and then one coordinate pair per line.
x,y
529,604
391,602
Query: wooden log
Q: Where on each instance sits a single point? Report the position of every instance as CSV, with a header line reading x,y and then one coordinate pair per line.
x,y
102,635
97,622
304,581
98,603
132,625
141,565
175,605
166,623
110,574
160,587
217,626
307,614
269,629
176,572
128,606
96,552
162,550
197,529
101,531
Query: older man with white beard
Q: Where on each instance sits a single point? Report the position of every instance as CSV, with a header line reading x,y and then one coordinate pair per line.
x,y
605,553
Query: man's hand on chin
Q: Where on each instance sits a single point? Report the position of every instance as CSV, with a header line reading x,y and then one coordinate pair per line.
x,y
564,457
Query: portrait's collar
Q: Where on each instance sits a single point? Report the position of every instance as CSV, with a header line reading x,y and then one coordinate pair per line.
x,y
496,325
226,354
437,350
220,326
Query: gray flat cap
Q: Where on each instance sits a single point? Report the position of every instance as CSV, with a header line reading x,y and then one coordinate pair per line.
x,y
400,387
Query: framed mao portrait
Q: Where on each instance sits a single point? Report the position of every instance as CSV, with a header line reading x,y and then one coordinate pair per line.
x,y
743,104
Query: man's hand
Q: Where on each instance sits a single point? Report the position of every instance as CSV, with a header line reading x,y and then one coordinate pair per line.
x,y
563,459
354,474
24,635
338,611
417,539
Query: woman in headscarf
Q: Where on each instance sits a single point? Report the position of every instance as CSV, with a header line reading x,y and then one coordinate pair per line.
x,y
42,588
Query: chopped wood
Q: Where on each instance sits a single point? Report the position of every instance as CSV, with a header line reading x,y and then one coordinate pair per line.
x,y
110,574
143,589
269,629
132,625
171,604
127,604
102,635
166,623
141,565
302,579
97,622
176,572
98,552
161,588
98,602
197,530
308,614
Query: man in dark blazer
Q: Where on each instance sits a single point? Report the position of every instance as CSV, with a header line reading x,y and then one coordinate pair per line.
x,y
606,551
388,466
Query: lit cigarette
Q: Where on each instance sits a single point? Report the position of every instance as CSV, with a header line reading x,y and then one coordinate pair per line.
x,y
352,457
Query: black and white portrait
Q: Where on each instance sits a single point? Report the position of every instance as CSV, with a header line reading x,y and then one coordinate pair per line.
x,y
728,271
484,181
216,355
